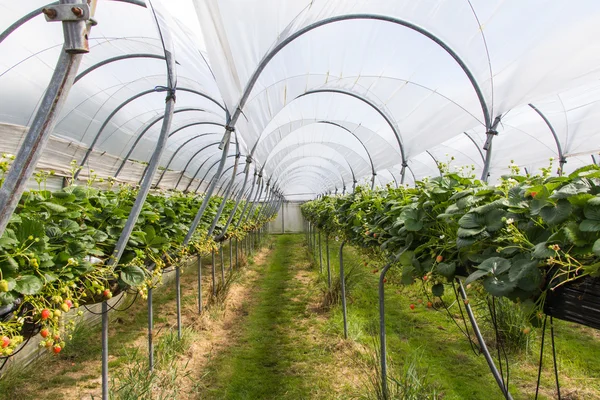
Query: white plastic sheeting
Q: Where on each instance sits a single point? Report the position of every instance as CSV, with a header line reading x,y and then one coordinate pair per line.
x,y
421,63
323,94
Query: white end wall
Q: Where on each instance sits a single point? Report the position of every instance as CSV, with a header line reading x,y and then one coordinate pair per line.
x,y
289,219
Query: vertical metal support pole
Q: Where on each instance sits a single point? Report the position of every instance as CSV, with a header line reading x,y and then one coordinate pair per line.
x,y
76,34
178,299
343,284
199,283
320,254
104,350
211,188
150,331
214,278
328,264
382,342
282,218
482,345
491,132
230,255
237,263
222,263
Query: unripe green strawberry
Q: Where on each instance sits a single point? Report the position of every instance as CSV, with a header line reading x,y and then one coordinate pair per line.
x,y
3,285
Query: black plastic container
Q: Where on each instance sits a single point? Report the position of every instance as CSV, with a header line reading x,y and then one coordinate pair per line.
x,y
577,301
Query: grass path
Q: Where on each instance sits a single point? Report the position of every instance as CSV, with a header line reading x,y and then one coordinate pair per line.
x,y
278,353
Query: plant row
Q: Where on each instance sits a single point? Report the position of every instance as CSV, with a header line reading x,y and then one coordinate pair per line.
x,y
519,238
55,253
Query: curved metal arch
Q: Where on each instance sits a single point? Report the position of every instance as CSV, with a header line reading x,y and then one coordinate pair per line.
x,y
357,138
388,119
292,161
272,53
314,182
272,155
233,191
437,163
149,125
285,173
114,59
269,56
38,11
223,175
191,159
561,155
178,149
322,180
209,168
332,124
197,172
476,146
118,108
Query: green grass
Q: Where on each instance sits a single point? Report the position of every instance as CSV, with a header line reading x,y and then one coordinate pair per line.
x,y
272,358
83,352
445,354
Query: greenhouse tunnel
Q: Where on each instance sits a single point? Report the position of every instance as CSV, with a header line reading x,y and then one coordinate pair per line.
x,y
290,195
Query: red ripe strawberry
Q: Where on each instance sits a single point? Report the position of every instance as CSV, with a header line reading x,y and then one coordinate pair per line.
x,y
384,280
69,303
5,341
45,313
374,235
56,349
533,194
429,304
375,271
412,306
439,259
107,294
425,277
45,333
366,263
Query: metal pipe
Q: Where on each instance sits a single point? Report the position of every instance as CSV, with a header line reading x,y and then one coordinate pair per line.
x,y
178,299
222,263
226,195
146,183
343,285
214,278
482,345
382,340
200,213
328,263
239,199
75,33
199,283
230,256
561,155
491,132
320,254
104,350
150,331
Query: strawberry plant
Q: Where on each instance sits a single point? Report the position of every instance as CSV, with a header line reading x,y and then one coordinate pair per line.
x,y
54,252
519,238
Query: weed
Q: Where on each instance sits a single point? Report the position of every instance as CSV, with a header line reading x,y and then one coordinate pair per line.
x,y
332,296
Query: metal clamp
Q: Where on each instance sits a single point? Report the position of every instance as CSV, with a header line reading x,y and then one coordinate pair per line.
x,y
226,137
75,18
67,12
